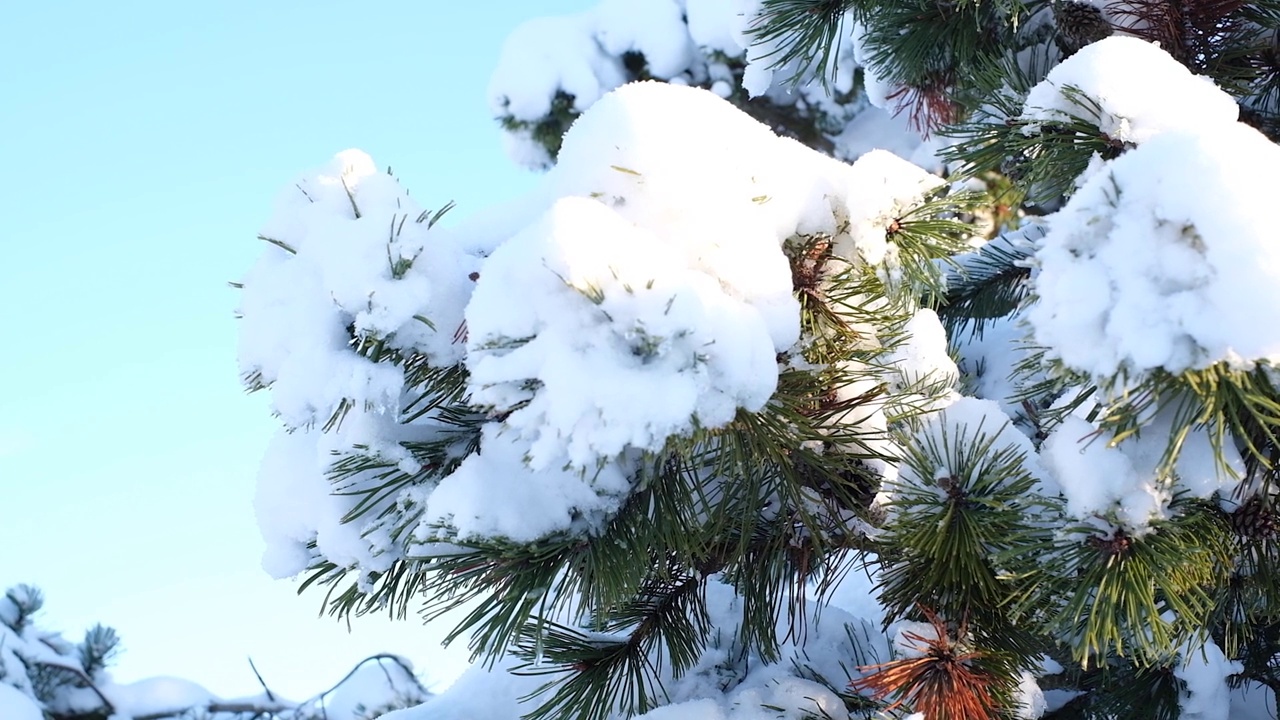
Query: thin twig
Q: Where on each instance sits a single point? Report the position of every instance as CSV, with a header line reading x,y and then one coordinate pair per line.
x,y
270,695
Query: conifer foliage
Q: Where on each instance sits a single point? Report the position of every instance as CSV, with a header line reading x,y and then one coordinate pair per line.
x,y
717,425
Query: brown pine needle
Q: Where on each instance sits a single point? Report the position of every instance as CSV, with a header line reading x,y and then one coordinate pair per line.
x,y
943,684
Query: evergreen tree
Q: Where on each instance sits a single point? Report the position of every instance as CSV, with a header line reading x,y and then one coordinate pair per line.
x,y
681,433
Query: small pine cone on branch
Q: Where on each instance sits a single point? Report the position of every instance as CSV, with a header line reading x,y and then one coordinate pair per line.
x,y
1254,520
1079,24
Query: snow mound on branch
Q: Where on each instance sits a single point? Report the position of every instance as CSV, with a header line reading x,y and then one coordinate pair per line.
x,y
712,24
1122,484
531,68
346,240
1131,89
880,90
1205,671
655,29
884,187
1029,699
923,356
295,505
655,295
962,423
671,154
618,342
495,494
922,363
157,696
990,360
1166,259
580,55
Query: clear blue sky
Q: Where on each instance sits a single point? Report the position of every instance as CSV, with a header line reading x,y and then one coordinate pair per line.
x,y
144,142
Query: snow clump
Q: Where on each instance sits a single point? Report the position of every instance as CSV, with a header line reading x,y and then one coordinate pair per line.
x,y
1166,259
1131,90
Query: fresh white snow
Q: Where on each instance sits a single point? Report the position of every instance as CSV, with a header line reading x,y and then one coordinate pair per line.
x,y
1165,259
1131,90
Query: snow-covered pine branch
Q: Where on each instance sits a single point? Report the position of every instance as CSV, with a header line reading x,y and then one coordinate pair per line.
x,y
552,69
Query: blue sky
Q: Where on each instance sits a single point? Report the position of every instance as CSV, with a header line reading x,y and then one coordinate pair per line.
x,y
144,142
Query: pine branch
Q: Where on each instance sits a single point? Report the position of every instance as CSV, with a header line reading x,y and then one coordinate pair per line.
x,y
608,675
926,237
1122,689
988,284
610,671
806,36
947,44
1044,157
392,591
271,697
1233,405
20,602
81,678
1118,588
966,535
100,646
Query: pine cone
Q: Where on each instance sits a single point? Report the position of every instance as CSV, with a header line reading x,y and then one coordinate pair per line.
x,y
1254,520
1079,24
